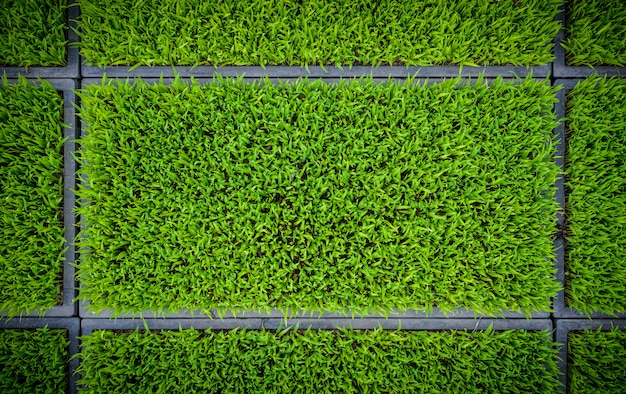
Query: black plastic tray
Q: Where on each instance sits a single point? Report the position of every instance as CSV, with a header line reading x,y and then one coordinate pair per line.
x,y
561,310
562,70
72,70
66,87
563,327
71,324
275,314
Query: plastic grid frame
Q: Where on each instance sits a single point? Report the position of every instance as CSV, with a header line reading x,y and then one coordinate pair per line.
x,y
436,313
561,310
72,70
90,325
563,327
68,308
71,324
561,70
315,71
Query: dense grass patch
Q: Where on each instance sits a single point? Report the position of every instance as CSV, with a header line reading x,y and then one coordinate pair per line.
x,y
342,361
31,191
32,33
317,32
319,197
596,361
595,33
34,361
596,206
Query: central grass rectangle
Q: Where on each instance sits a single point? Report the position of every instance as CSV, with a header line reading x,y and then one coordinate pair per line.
x,y
311,196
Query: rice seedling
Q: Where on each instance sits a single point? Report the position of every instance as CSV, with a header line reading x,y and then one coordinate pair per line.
x,y
595,32
33,33
340,361
34,361
317,32
310,196
596,361
31,191
596,213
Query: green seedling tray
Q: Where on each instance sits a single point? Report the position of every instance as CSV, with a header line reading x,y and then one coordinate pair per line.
x,y
72,70
89,327
72,325
565,326
562,70
459,313
66,87
487,22
561,310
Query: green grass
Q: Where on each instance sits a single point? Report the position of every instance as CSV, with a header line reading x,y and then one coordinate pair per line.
x,y
595,33
596,206
317,32
31,191
312,361
596,361
360,196
34,361
33,33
